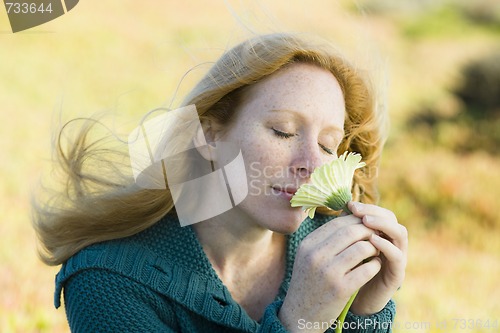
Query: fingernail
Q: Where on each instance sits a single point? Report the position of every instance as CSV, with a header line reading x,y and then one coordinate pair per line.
x,y
368,218
357,206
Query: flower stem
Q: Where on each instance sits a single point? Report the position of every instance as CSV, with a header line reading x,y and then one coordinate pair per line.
x,y
343,314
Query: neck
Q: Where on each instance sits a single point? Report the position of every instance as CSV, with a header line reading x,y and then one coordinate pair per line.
x,y
232,240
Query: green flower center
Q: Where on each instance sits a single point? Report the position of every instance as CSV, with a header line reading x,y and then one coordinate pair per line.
x,y
339,199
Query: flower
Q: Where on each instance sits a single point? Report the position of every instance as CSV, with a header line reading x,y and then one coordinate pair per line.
x,y
330,185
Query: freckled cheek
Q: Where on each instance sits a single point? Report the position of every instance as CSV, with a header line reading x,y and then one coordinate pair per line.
x,y
265,153
253,156
278,152
261,149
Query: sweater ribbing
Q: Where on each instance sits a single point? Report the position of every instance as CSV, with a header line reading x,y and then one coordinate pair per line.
x,y
169,262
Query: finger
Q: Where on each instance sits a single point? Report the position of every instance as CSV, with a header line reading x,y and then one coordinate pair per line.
x,y
329,228
354,256
392,253
331,245
396,233
347,236
382,219
361,209
360,275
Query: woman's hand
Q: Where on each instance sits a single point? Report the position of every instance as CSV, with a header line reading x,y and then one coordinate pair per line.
x,y
365,250
328,269
391,239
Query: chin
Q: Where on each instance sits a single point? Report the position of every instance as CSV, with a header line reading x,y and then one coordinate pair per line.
x,y
285,231
288,225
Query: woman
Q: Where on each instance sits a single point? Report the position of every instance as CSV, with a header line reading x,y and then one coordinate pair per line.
x,y
289,104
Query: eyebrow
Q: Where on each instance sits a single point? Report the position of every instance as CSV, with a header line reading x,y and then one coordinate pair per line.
x,y
299,116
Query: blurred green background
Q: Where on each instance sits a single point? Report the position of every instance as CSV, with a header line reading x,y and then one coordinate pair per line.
x,y
440,171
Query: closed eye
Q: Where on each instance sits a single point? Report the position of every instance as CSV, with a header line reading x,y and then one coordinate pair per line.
x,y
326,149
282,134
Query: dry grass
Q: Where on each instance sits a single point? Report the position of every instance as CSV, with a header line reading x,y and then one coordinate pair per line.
x,y
127,58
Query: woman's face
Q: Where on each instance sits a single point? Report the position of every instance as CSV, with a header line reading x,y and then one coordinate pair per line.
x,y
287,125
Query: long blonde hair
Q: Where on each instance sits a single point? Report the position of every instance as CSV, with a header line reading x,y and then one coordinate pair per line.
x,y
102,202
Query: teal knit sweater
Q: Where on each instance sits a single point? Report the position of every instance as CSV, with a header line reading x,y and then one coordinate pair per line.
x,y
160,280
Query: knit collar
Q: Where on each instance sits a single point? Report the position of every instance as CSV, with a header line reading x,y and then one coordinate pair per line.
x,y
195,258
170,260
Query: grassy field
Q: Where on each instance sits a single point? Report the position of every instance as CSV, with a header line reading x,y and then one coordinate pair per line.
x,y
127,57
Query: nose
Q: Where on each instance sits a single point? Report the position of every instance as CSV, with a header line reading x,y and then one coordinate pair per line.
x,y
306,158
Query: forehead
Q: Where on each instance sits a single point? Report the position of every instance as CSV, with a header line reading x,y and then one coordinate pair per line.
x,y
298,86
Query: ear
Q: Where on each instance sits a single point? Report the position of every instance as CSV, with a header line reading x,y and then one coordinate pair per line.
x,y
205,138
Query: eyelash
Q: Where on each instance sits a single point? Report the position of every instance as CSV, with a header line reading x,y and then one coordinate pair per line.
x,y
283,135
327,150
286,135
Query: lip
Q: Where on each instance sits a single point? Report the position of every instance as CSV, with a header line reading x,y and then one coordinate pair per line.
x,y
285,192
